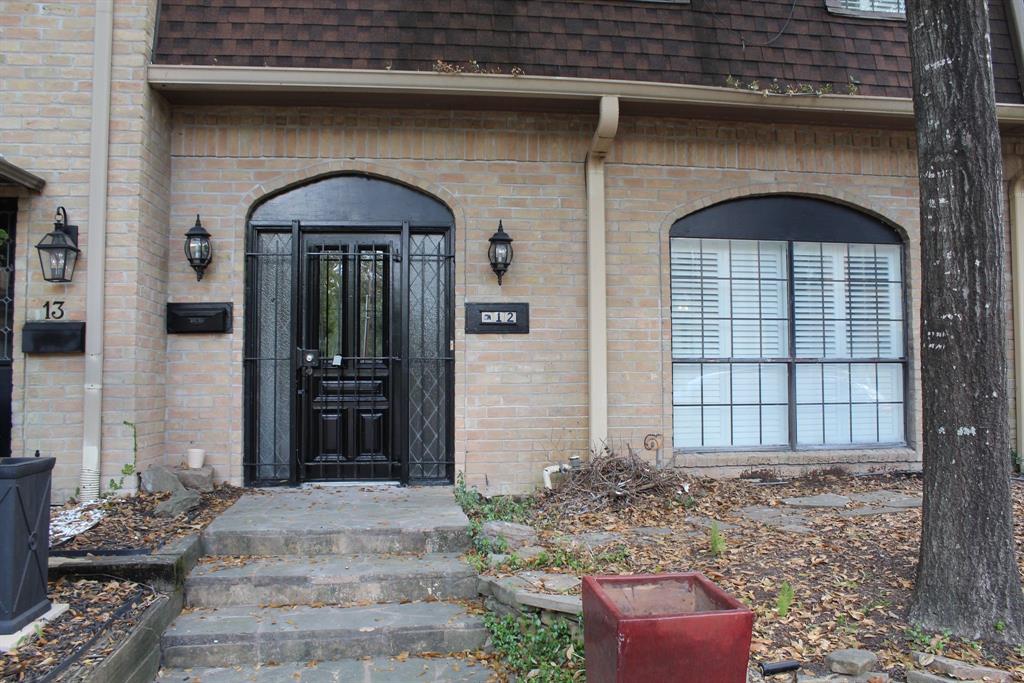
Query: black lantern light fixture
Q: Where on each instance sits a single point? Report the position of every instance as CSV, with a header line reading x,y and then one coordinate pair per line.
x,y
198,249
58,250
500,252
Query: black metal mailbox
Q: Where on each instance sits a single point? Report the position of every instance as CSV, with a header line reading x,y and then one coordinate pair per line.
x,y
40,336
193,318
24,540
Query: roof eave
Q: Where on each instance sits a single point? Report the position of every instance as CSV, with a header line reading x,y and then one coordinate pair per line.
x,y
212,81
17,176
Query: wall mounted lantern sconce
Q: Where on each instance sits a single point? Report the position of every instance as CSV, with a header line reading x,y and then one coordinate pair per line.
x,y
500,252
198,249
58,250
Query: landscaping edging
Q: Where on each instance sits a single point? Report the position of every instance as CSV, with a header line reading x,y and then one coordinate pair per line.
x,y
137,658
165,569
509,596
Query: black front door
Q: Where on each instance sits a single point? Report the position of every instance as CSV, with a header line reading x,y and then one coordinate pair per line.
x,y
350,353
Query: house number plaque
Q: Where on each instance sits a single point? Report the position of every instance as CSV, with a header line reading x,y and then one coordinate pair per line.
x,y
497,318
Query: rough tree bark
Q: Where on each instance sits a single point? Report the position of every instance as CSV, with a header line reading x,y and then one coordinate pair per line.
x,y
967,575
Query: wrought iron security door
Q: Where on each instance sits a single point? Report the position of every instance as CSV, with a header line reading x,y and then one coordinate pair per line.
x,y
349,364
348,367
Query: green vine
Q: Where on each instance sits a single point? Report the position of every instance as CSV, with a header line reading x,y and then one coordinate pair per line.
x,y
129,468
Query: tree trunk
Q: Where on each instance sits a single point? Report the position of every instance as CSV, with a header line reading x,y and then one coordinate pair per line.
x,y
967,577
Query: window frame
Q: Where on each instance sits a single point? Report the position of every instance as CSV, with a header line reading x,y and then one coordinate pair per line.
x,y
835,7
774,217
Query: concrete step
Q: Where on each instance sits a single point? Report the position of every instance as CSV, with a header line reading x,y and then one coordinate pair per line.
x,y
329,579
340,521
337,541
375,670
247,636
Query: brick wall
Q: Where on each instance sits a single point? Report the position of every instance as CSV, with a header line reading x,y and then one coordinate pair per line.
x,y
660,171
45,78
45,112
521,401
138,205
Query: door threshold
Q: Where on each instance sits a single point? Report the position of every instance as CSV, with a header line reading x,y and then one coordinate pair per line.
x,y
340,484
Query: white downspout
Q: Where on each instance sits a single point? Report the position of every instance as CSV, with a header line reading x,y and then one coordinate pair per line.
x,y
597,291
1017,285
99,137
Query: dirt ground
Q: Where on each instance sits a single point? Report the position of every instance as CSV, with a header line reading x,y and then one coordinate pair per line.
x,y
851,576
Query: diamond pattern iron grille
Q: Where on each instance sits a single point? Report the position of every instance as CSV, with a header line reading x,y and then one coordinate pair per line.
x,y
269,365
429,358
8,216
7,288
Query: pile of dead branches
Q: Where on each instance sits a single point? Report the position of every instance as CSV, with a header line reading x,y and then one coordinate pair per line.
x,y
612,481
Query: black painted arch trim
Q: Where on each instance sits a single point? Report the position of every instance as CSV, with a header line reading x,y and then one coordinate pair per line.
x,y
785,217
355,198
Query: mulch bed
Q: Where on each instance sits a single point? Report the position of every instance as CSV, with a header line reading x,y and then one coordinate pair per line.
x,y
130,523
102,611
852,576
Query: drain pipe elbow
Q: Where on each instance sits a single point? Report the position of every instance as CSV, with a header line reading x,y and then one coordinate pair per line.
x,y
607,127
92,402
553,469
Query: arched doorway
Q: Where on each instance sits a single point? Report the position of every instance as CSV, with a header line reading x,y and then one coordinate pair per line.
x,y
349,329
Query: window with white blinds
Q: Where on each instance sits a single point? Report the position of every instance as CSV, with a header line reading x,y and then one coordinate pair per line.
x,y
786,343
888,6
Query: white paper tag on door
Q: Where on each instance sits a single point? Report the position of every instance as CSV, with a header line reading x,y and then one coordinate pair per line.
x,y
336,361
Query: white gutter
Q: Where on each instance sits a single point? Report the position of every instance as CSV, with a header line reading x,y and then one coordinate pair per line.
x,y
99,138
241,79
597,288
1017,285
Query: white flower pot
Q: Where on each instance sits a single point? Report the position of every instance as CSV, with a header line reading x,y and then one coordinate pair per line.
x,y
196,456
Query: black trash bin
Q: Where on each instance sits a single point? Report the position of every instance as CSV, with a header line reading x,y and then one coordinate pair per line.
x,y
24,540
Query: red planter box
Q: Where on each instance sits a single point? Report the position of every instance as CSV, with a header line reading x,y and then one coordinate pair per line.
x,y
665,627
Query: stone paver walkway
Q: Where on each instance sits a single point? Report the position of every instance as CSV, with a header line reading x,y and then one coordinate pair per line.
x,y
795,513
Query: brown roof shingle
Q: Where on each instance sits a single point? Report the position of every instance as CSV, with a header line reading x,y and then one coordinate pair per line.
x,y
700,43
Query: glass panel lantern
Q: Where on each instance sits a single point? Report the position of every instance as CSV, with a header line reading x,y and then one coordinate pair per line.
x,y
198,249
500,252
58,250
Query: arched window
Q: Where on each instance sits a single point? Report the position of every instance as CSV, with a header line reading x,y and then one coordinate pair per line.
x,y
787,327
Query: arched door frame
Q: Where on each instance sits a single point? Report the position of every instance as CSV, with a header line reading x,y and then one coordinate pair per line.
x,y
284,232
